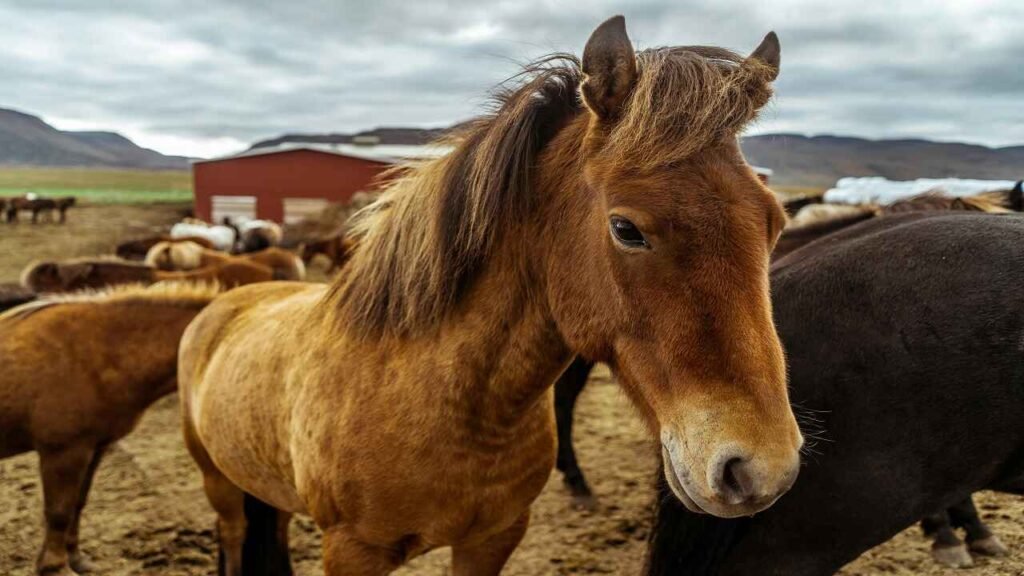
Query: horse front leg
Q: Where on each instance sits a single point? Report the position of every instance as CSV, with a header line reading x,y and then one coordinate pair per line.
x,y
980,539
487,558
64,472
344,555
947,549
76,560
567,391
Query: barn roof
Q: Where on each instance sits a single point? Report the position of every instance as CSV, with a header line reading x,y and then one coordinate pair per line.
x,y
385,153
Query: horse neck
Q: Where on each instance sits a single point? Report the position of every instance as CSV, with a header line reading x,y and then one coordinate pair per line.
x,y
503,345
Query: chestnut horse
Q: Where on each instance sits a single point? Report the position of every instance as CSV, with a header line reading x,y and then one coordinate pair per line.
x,y
408,406
70,387
183,256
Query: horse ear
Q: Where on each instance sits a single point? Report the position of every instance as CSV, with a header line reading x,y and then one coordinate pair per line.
x,y
769,53
609,68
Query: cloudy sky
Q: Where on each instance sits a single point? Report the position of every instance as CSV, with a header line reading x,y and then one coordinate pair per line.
x,y
210,76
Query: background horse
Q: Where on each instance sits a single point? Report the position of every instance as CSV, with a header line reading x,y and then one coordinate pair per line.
x,y
138,249
80,274
185,256
819,220
336,248
408,407
70,387
12,295
903,341
221,237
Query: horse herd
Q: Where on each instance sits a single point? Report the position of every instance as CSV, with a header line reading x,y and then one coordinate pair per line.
x,y
601,212
11,207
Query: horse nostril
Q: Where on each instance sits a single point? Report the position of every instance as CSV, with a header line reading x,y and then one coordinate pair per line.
x,y
736,483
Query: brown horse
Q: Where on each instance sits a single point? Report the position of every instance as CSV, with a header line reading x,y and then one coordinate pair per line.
x,y
37,206
137,249
70,388
408,407
63,204
184,256
336,248
81,274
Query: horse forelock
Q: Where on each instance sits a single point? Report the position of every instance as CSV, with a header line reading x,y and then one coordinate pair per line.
x,y
686,99
436,224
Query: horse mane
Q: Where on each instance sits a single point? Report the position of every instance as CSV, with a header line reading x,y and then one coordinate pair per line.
x,y
436,223
991,202
182,294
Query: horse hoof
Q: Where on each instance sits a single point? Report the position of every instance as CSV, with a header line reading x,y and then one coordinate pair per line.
x,y
584,503
990,546
953,556
63,571
82,565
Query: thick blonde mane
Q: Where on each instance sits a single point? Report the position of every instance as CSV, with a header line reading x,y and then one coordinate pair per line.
x,y
436,224
183,294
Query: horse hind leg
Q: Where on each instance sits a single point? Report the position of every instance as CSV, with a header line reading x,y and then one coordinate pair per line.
x,y
64,472
265,548
947,549
980,538
252,535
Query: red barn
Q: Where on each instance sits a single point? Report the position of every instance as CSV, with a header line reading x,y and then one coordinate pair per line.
x,y
286,183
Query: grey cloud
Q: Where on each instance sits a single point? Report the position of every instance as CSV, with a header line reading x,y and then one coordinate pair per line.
x,y
205,70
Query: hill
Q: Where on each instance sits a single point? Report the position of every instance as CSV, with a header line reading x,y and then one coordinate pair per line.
x,y
412,136
812,161
821,160
27,140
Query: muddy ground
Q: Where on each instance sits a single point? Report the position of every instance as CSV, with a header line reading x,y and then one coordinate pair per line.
x,y
147,513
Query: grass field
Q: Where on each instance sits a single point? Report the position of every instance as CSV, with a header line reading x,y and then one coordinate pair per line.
x,y
99,186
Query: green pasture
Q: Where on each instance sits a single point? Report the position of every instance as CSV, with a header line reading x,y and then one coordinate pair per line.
x,y
99,186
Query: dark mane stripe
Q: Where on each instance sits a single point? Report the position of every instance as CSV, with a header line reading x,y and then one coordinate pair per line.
x,y
421,244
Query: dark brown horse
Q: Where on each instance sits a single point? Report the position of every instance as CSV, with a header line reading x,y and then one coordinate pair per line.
x,y
82,274
903,339
336,249
70,387
39,206
12,295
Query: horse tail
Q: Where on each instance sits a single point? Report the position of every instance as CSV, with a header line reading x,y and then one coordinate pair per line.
x,y
265,549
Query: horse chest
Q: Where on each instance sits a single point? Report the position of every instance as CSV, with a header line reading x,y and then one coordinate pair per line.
x,y
440,484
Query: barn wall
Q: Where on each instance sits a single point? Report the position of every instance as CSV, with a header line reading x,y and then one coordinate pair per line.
x,y
273,177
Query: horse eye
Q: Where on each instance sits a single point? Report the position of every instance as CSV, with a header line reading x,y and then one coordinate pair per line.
x,y
627,234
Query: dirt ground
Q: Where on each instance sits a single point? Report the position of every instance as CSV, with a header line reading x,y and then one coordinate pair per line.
x,y
147,513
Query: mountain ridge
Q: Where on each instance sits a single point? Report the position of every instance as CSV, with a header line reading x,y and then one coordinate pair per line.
x,y
27,140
